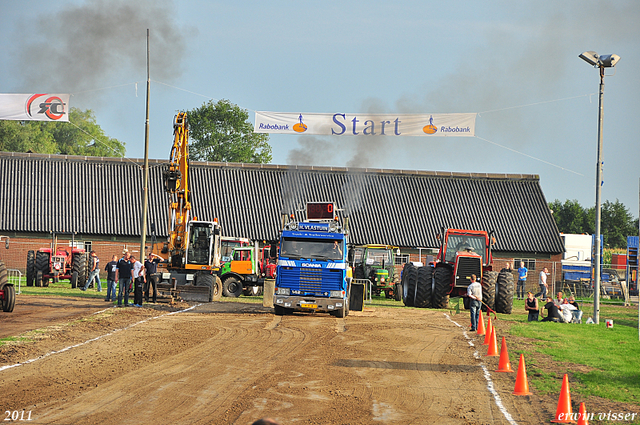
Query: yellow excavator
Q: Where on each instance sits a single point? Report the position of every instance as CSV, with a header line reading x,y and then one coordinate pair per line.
x,y
192,251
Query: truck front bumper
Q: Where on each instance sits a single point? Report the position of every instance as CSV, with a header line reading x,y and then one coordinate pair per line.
x,y
309,303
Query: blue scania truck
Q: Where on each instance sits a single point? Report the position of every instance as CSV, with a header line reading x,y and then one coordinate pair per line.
x,y
313,273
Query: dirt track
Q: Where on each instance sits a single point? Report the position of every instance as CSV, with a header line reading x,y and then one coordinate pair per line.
x,y
232,363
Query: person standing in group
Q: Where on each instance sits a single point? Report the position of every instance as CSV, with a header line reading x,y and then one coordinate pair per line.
x,y
150,268
111,269
531,306
124,274
474,292
522,280
94,271
543,284
138,281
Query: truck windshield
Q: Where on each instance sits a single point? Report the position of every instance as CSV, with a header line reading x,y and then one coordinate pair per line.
x,y
319,249
471,243
378,257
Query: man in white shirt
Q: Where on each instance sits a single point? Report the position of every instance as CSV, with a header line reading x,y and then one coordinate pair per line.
x,y
567,311
474,292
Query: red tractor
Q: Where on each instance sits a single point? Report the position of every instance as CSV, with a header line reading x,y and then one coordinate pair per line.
x,y
461,254
57,262
7,290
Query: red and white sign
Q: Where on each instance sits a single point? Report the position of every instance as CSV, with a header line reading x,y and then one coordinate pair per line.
x,y
34,107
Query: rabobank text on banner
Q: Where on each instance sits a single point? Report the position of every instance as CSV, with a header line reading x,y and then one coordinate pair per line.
x,y
34,107
340,124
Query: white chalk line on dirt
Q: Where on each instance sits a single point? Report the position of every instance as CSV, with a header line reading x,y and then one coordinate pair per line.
x,y
487,376
3,368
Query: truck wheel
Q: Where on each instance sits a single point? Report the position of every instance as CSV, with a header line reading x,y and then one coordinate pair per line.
x,y
31,267
424,287
489,290
232,287
409,275
206,280
216,291
441,287
504,293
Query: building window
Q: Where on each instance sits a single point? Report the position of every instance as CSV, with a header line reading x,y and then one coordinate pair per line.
x,y
529,263
401,259
87,246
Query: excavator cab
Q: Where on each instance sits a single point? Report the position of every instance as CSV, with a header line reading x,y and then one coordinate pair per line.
x,y
204,241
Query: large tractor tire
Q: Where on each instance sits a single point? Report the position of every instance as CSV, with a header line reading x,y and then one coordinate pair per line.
x,y
9,299
31,267
397,291
232,287
359,272
410,276
79,267
424,287
441,287
489,290
42,267
504,292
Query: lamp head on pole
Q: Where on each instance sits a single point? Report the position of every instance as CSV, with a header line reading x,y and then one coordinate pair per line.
x,y
604,61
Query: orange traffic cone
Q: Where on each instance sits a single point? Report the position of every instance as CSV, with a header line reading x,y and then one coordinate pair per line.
x,y
564,413
582,416
481,330
487,336
522,384
504,365
493,345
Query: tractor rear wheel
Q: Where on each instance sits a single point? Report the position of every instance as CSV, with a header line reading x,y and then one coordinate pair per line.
x,y
409,276
31,267
9,299
441,287
42,267
232,287
79,266
397,291
74,280
424,287
504,293
489,290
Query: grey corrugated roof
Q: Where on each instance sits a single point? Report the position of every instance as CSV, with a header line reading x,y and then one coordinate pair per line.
x,y
102,196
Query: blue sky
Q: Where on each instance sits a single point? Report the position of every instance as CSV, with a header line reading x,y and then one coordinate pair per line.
x,y
514,63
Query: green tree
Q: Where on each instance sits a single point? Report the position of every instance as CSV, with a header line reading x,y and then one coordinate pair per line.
x,y
617,224
80,136
221,132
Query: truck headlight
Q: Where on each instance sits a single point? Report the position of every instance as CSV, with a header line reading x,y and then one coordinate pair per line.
x,y
283,291
336,294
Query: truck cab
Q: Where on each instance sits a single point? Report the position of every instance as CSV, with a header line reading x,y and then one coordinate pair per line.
x,y
312,270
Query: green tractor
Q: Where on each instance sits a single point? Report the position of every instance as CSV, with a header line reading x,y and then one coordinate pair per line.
x,y
376,263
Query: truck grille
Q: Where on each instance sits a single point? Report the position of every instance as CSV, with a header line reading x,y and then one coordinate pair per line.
x,y
312,281
466,267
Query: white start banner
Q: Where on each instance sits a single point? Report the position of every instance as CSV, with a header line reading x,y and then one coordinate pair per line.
x,y
339,124
34,107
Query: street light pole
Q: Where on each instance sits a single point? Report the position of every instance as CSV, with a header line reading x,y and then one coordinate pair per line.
x,y
597,256
601,62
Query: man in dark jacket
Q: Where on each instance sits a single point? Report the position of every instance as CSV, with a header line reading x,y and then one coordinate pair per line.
x,y
150,268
